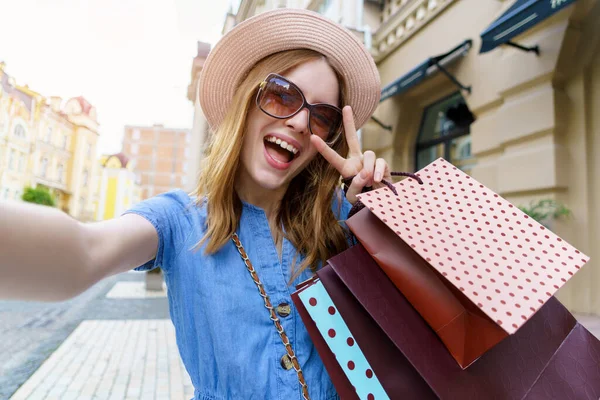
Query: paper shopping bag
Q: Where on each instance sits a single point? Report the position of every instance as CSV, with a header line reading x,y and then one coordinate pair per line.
x,y
342,350
339,379
550,357
473,265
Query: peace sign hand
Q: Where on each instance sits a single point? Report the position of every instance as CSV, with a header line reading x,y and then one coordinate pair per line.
x,y
366,169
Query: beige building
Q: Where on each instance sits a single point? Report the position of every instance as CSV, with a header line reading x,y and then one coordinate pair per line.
x,y
17,111
200,130
51,154
523,124
44,142
161,157
519,118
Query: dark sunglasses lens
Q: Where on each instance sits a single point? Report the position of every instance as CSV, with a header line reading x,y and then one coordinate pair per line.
x,y
325,122
279,99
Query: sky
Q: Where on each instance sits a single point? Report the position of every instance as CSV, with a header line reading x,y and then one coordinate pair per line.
x,y
130,58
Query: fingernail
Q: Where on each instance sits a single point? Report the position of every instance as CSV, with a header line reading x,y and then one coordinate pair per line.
x,y
378,177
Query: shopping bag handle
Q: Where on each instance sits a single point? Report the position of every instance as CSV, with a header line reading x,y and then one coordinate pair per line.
x,y
359,205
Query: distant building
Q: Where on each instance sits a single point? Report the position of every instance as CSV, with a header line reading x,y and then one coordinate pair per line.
x,y
200,129
161,157
118,186
45,143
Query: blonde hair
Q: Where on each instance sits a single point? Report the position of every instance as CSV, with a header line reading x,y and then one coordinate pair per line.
x,y
306,208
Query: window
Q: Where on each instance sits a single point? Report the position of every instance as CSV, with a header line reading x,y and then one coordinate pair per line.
x,y
85,177
22,163
445,132
89,150
187,153
43,167
48,135
16,195
81,204
19,131
59,173
65,140
136,134
185,167
134,149
184,180
11,160
6,193
188,137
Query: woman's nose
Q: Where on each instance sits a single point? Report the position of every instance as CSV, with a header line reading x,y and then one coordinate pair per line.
x,y
299,122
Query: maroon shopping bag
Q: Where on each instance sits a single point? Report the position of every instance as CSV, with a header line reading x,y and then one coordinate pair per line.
x,y
551,356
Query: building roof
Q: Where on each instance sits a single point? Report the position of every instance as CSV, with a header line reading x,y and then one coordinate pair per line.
x,y
14,91
86,107
122,157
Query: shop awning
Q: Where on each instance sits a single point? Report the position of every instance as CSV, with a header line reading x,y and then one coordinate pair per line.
x,y
521,16
426,69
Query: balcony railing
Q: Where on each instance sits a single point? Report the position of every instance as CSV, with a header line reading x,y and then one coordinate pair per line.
x,y
402,19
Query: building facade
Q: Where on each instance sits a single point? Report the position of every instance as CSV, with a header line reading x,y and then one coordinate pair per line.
x,y
44,142
161,156
118,186
520,122
17,110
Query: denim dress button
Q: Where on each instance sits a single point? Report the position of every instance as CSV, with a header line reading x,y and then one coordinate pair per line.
x,y
283,310
286,363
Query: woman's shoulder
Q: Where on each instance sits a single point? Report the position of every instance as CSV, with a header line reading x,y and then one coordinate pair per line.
x,y
172,206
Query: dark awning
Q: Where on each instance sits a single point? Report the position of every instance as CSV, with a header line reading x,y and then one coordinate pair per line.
x,y
521,16
425,69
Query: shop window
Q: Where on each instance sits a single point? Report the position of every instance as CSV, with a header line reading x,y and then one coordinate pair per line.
x,y
85,177
445,132
49,135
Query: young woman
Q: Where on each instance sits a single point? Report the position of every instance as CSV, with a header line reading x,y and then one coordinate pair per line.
x,y
284,93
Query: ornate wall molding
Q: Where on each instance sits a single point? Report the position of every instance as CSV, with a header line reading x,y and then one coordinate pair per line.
x,y
406,19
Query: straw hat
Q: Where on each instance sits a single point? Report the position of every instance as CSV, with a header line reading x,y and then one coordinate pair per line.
x,y
287,29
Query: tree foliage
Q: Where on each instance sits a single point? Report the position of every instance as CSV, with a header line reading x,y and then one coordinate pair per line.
x,y
38,195
545,210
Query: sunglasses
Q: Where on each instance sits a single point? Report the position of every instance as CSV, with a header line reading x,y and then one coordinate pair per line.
x,y
280,98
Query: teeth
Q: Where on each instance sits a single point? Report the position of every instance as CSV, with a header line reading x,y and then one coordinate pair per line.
x,y
283,144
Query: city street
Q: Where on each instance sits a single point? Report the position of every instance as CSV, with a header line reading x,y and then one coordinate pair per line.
x,y
31,335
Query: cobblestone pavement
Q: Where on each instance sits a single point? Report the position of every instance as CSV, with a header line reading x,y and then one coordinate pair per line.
x,y
31,331
113,360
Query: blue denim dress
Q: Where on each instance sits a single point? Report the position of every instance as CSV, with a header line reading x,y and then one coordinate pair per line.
x,y
226,339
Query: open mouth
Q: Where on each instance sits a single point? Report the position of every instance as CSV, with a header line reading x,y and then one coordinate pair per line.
x,y
280,150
